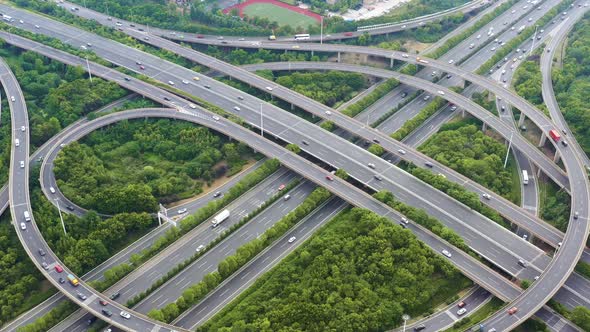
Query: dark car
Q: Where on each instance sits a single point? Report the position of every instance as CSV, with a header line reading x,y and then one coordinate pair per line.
x,y
115,296
127,79
91,320
69,207
420,327
166,99
376,140
62,280
217,194
107,312
404,94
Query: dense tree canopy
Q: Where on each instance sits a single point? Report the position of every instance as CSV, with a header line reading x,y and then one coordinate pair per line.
x,y
130,166
359,273
327,88
470,152
572,83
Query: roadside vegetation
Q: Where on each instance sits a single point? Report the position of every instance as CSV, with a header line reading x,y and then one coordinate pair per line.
x,y
311,289
554,204
527,82
470,152
230,264
248,56
362,104
134,165
330,88
572,83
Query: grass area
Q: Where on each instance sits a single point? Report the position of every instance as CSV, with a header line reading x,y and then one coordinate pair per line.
x,y
554,204
360,272
281,15
482,313
515,195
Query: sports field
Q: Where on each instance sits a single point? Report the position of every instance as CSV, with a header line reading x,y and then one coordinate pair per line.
x,y
282,15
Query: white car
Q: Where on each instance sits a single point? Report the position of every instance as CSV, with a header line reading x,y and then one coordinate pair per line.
x,y
170,82
36,26
185,81
461,311
193,106
446,253
216,118
451,61
23,226
125,314
23,128
22,164
268,88
440,92
328,112
400,151
12,98
486,196
405,220
200,248
181,211
371,165
478,36
404,55
52,190
236,108
292,239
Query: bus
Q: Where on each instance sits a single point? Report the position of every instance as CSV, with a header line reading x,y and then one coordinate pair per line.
x,y
525,177
302,36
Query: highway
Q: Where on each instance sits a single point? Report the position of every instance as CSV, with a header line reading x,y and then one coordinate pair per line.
x,y
547,86
507,264
565,267
27,231
460,212
376,30
583,213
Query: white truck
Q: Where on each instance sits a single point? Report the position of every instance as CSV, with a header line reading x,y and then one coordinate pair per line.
x,y
218,219
521,29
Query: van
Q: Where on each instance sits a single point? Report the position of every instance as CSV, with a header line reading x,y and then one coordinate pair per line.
x,y
286,197
27,216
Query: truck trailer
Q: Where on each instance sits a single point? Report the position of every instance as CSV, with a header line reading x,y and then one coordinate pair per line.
x,y
218,219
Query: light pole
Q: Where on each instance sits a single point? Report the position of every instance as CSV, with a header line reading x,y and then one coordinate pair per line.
x,y
63,225
534,37
88,66
321,29
261,122
508,151
405,318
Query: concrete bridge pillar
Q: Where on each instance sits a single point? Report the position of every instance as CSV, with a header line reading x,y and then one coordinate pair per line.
x,y
338,56
484,127
521,119
463,113
542,140
292,106
312,54
391,63
557,156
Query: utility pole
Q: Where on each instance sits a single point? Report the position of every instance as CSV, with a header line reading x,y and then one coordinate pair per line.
x,y
405,318
88,66
508,151
261,122
63,225
534,37
321,29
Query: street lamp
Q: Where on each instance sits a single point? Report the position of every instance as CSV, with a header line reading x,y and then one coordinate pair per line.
x,y
321,29
261,122
508,151
405,317
60,216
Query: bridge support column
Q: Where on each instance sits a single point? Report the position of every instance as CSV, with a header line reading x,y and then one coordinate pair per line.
x,y
338,56
312,53
391,63
462,113
557,156
484,127
292,106
542,140
521,119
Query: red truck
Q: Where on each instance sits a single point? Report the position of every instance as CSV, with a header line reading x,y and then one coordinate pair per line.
x,y
555,135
